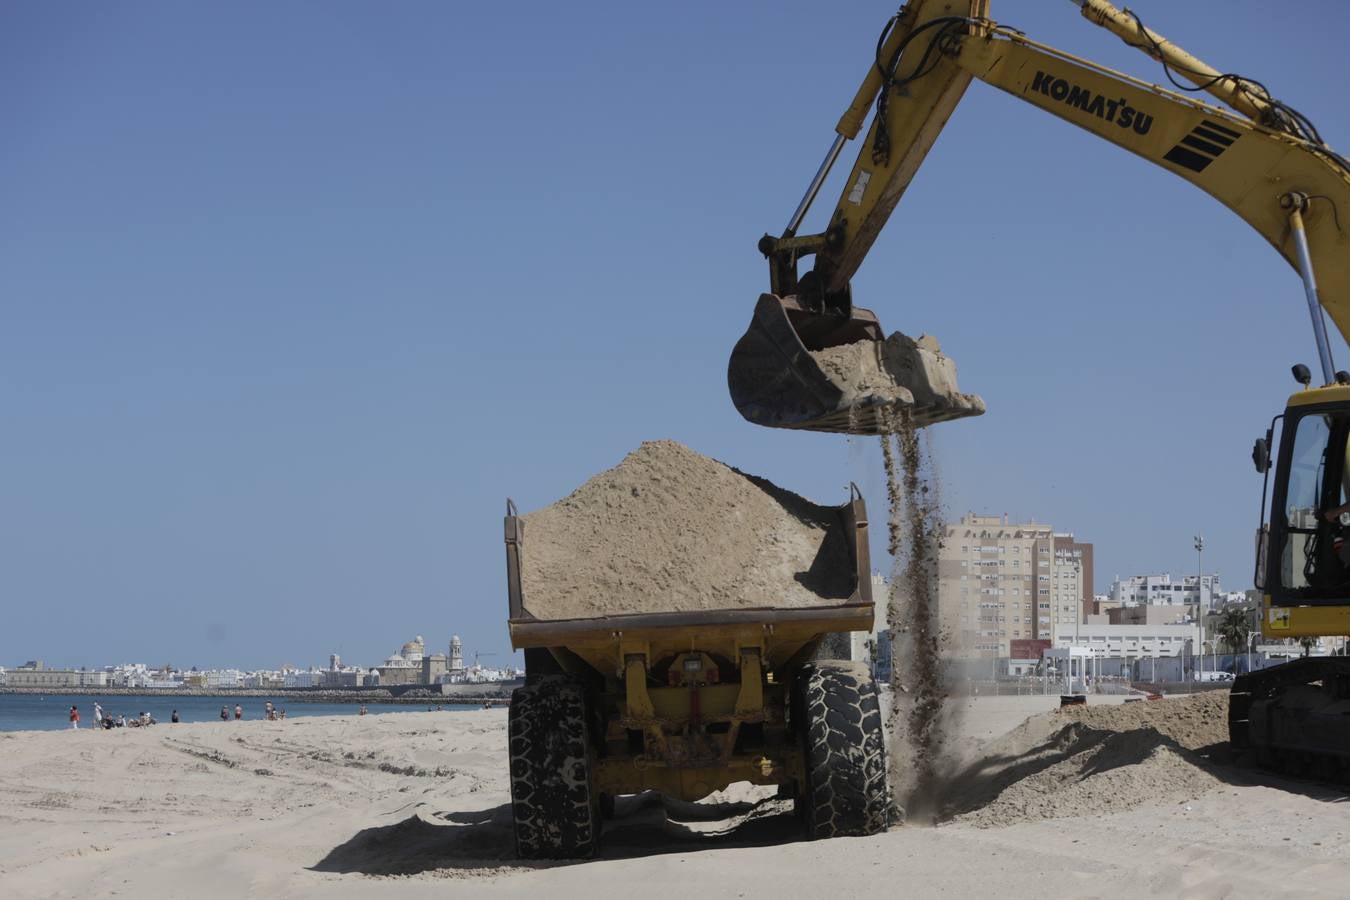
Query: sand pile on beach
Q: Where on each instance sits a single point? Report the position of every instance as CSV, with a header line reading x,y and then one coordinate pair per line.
x,y
669,529
250,808
1091,760
394,805
1194,722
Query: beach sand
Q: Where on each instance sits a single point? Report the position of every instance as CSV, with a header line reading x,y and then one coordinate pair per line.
x,y
416,805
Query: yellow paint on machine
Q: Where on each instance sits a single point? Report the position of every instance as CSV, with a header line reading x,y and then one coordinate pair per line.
x,y
1332,393
1304,621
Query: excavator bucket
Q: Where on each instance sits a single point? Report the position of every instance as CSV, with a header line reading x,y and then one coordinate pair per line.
x,y
795,368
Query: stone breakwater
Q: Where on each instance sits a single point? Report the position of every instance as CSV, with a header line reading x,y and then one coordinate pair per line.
x,y
417,694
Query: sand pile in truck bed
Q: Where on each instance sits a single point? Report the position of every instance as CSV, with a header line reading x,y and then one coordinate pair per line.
x,y
670,530
1092,760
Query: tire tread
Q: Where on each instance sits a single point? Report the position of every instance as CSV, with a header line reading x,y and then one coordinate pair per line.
x,y
846,793
553,807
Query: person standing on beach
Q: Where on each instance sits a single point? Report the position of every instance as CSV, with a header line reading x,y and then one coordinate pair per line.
x,y
98,713
74,717
238,711
224,714
173,717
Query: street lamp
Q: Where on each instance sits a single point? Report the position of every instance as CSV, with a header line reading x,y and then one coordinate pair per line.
x,y
1199,601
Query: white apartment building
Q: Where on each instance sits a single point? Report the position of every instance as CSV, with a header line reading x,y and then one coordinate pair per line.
x,y
861,642
1161,590
40,676
164,682
308,678
1132,641
1000,581
222,678
263,679
132,675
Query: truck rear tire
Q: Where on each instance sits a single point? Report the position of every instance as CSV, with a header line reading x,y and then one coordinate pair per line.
x,y
554,806
845,751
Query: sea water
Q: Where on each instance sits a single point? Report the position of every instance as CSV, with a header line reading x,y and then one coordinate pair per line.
x,y
42,712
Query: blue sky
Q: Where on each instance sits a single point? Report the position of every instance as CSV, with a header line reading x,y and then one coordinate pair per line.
x,y
294,296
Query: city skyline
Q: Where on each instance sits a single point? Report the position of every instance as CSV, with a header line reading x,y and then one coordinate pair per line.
x,y
452,643
413,664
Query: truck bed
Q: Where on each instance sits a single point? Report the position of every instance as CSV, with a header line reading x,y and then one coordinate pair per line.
x,y
792,625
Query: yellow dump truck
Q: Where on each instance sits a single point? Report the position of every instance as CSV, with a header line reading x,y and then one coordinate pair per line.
x,y
687,703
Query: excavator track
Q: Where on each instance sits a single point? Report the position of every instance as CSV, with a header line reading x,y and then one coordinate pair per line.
x,y
1295,718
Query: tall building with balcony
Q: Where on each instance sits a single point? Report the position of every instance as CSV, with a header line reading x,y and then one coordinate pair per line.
x,y
1000,581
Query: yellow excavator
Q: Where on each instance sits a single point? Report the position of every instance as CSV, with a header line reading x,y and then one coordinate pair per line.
x,y
801,362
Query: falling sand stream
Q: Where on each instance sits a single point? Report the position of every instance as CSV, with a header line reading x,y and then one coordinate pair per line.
x,y
917,725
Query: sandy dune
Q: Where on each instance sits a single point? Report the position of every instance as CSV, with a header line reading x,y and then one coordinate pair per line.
x,y
397,805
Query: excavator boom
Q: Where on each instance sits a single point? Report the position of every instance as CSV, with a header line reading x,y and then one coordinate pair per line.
x,y
1259,173
812,360
791,370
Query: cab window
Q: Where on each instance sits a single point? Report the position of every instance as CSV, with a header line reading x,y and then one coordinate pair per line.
x,y
1313,558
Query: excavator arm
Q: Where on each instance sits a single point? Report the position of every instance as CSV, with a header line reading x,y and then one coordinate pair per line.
x,y
813,360
1267,165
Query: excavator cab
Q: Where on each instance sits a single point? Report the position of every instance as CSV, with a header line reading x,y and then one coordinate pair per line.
x,y
1295,716
1306,541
